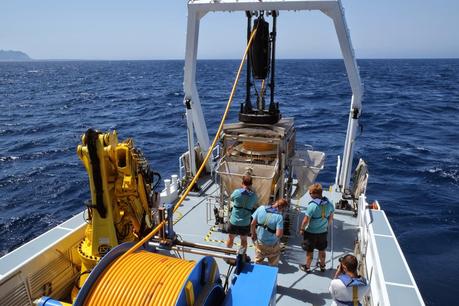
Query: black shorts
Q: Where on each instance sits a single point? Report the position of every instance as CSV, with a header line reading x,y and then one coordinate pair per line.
x,y
314,241
238,230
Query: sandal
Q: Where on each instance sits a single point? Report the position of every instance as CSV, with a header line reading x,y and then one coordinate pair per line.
x,y
322,268
305,268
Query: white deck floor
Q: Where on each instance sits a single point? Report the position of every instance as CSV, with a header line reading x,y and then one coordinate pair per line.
x,y
294,286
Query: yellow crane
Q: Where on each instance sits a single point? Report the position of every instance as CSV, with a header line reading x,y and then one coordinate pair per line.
x,y
122,196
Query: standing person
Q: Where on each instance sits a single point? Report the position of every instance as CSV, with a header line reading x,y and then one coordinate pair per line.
x,y
243,202
348,288
267,228
318,215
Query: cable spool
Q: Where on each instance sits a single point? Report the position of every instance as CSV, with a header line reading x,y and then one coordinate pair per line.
x,y
147,278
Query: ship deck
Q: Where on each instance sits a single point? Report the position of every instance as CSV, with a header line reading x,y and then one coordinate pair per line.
x,y
48,258
294,287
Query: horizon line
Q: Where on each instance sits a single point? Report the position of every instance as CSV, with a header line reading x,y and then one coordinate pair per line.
x,y
220,59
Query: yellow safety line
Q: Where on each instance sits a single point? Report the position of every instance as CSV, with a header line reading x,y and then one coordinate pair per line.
x,y
213,230
179,217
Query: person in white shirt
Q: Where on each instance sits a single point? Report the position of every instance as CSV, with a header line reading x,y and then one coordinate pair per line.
x,y
348,288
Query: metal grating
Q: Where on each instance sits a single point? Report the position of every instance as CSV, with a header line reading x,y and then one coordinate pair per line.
x,y
16,297
53,278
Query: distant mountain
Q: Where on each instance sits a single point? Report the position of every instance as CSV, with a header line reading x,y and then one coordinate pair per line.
x,y
10,55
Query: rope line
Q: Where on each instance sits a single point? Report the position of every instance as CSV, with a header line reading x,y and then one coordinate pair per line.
x,y
209,152
147,278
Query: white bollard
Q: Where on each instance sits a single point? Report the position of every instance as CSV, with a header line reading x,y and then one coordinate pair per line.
x,y
167,185
174,180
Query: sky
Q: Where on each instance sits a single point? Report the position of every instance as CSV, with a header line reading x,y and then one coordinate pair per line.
x,y
156,29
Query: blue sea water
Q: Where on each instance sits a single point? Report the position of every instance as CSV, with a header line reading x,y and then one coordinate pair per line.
x,y
410,137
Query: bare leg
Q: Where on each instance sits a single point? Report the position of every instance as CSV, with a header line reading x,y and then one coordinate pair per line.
x,y
322,258
244,242
230,241
309,258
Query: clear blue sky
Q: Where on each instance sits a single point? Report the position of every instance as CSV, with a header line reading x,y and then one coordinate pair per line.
x,y
155,29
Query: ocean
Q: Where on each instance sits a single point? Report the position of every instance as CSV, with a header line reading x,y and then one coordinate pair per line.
x,y
409,137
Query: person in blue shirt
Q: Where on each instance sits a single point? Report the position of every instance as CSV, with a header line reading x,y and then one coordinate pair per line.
x,y
243,202
314,228
267,228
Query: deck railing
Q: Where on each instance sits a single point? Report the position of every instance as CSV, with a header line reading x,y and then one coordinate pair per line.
x,y
370,255
375,236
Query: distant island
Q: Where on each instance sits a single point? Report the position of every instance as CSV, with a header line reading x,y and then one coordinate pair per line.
x,y
10,55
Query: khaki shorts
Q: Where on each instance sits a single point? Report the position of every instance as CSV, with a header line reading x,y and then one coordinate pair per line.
x,y
272,252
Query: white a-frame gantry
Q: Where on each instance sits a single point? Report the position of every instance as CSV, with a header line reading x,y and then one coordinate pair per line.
x,y
333,9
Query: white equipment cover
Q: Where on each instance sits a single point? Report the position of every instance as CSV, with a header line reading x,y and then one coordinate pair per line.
x,y
359,179
231,173
306,166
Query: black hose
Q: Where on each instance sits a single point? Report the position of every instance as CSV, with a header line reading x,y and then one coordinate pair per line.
x,y
92,137
77,280
228,274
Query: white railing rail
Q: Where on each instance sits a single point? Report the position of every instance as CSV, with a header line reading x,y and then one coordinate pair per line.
x,y
369,253
338,168
182,169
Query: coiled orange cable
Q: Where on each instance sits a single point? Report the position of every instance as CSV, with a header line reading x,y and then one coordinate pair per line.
x,y
142,278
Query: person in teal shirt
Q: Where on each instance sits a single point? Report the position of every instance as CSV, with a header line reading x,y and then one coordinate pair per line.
x,y
244,202
314,228
267,228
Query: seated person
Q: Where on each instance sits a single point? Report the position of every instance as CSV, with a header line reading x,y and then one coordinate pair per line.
x,y
348,288
267,228
243,202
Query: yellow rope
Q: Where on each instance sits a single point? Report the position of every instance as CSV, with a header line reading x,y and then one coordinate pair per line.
x,y
148,278
209,152
263,89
